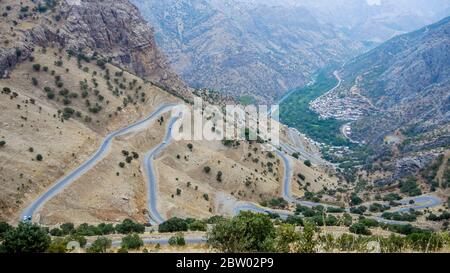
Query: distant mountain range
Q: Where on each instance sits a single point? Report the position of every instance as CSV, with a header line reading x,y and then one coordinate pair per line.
x,y
373,21
265,48
242,48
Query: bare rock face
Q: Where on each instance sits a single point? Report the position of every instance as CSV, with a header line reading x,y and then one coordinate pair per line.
x,y
111,28
116,29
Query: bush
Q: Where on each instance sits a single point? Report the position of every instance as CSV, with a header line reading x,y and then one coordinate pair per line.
x,y
2,143
307,163
173,225
392,197
301,176
207,169
37,67
359,228
425,241
197,225
132,241
335,210
294,220
100,245
87,230
68,113
277,203
410,187
50,95
355,200
407,217
358,210
219,176
369,222
246,232
177,240
190,146
26,238
206,196
58,245
106,229
4,227
56,232
376,207
39,157
101,63
128,226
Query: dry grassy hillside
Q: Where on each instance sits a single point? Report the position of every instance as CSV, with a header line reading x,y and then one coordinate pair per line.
x,y
57,105
61,111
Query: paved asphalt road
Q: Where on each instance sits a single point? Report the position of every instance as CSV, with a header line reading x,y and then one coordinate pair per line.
x,y
421,202
91,162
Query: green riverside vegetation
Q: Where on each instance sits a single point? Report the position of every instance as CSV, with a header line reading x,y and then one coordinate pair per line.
x,y
295,112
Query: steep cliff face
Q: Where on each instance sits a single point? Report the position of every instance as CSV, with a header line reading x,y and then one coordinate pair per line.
x,y
111,28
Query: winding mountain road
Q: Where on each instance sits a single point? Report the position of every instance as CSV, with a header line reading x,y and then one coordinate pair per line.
x,y
421,202
104,149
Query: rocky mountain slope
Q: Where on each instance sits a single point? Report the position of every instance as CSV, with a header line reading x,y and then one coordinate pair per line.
x,y
70,77
242,48
113,29
399,95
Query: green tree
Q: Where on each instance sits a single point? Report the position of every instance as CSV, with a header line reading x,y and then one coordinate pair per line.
x,y
58,245
128,226
355,200
359,228
37,67
106,229
307,241
67,228
246,232
219,176
173,224
286,238
26,238
177,240
308,163
197,225
4,227
100,245
132,241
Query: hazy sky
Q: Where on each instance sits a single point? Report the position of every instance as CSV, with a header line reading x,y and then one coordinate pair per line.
x,y
373,2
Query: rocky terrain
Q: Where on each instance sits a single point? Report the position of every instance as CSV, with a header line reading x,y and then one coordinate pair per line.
x,y
113,29
70,78
400,92
245,48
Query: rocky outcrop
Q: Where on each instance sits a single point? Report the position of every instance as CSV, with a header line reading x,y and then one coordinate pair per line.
x,y
111,28
9,57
